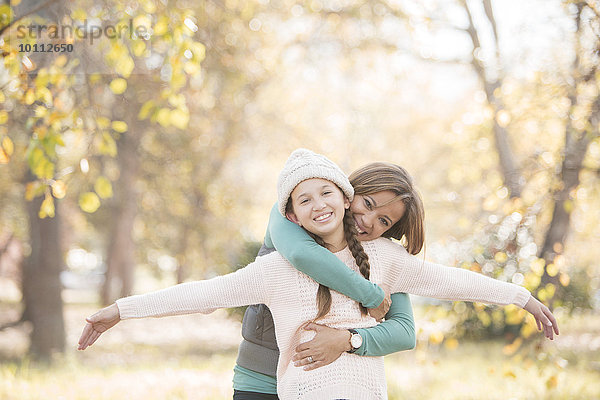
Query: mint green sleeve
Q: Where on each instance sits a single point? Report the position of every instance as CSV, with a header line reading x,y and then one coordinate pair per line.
x,y
396,333
293,243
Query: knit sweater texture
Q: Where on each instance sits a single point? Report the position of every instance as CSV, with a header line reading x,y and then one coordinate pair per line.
x,y
291,297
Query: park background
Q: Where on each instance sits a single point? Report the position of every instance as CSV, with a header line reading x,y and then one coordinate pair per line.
x,y
139,161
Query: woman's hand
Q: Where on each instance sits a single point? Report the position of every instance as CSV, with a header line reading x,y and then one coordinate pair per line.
x,y
97,324
543,317
326,347
379,312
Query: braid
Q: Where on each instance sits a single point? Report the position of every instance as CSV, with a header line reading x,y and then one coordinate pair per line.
x,y
361,258
323,293
355,247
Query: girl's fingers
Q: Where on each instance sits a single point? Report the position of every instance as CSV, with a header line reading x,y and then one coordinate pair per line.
x,y
94,337
85,332
553,320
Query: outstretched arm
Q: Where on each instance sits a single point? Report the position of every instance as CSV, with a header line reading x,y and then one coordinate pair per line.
x,y
396,333
243,287
293,243
413,275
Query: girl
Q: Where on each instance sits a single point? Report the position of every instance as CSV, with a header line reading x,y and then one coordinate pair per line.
x,y
320,196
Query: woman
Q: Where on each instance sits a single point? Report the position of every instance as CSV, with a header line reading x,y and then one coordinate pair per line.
x,y
386,204
319,206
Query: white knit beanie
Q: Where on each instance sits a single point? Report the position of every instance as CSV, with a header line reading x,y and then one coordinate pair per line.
x,y
304,164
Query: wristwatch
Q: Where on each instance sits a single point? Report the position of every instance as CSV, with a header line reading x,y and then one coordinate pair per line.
x,y
355,340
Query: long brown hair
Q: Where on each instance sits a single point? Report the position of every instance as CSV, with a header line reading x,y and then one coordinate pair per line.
x,y
355,247
379,176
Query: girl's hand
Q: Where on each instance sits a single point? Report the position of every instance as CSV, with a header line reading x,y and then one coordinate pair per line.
x,y
543,317
326,347
97,324
379,312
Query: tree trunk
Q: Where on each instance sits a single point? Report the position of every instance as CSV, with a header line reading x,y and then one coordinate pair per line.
x,y
120,261
508,166
41,283
576,144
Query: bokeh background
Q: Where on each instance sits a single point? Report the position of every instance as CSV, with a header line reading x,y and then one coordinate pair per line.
x,y
135,161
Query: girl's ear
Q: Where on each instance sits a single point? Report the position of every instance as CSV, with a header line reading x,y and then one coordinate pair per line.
x,y
346,203
292,217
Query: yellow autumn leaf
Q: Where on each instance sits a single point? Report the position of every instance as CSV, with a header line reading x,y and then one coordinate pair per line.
x,y
537,266
44,94
103,122
180,118
564,279
119,126
41,111
89,202
142,22
2,97
79,14
47,208
199,51
145,109
31,190
149,6
103,187
8,146
125,66
161,27
451,344
500,257
552,269
528,328
59,189
107,145
118,85
164,117
139,47
3,117
60,60
512,348
436,337
29,97
510,374
552,382
176,100
4,158
15,2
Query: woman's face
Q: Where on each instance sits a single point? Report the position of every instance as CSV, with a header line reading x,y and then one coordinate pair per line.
x,y
371,218
319,206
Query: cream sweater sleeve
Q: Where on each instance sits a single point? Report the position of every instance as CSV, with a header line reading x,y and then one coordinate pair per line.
x,y
413,275
243,287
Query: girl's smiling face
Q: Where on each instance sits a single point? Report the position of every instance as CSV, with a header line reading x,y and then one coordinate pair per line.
x,y
376,213
318,205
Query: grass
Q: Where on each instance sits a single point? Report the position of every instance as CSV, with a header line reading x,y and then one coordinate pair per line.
x,y
192,357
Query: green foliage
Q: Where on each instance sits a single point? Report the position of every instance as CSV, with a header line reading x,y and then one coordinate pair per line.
x,y
505,249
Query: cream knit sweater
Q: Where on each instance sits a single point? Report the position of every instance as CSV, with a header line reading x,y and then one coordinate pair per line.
x,y
291,297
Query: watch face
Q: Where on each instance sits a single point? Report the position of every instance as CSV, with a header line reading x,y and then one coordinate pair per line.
x,y
356,340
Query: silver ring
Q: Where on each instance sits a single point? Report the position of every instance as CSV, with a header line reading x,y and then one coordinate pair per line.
x,y
310,359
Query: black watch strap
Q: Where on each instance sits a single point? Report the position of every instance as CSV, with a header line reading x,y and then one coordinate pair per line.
x,y
352,332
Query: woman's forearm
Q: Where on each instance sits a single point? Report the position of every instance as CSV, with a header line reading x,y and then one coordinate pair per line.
x,y
396,333
293,243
